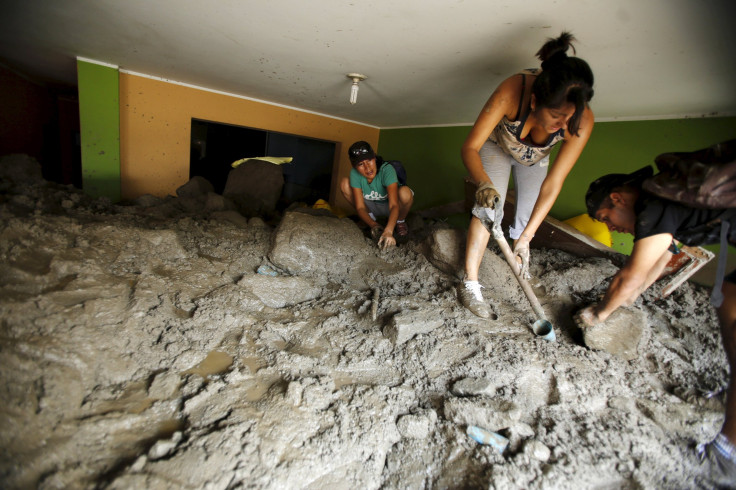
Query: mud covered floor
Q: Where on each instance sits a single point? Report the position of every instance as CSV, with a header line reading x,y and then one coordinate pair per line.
x,y
140,348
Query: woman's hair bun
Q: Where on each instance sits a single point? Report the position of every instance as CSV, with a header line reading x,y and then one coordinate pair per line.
x,y
555,50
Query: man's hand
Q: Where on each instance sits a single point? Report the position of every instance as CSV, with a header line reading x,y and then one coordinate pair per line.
x,y
386,241
376,232
587,317
487,196
521,250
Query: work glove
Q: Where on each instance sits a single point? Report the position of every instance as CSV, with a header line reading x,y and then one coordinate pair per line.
x,y
521,250
487,196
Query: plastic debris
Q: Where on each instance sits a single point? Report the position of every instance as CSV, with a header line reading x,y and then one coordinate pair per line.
x,y
274,160
267,271
488,438
543,328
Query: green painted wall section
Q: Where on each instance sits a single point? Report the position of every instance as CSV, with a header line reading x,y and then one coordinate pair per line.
x,y
99,117
436,172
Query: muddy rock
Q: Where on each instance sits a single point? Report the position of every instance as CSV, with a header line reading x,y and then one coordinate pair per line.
x,y
446,251
621,333
254,187
196,187
474,386
216,203
407,324
418,425
490,414
537,450
317,246
279,292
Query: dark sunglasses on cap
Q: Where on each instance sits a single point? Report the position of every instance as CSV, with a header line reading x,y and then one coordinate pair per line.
x,y
356,152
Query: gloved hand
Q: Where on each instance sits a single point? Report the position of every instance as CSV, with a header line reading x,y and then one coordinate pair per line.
x,y
487,196
521,250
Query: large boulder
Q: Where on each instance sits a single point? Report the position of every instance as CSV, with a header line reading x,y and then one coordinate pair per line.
x,y
318,246
255,187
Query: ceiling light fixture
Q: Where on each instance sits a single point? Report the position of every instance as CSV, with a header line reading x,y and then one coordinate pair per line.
x,y
356,78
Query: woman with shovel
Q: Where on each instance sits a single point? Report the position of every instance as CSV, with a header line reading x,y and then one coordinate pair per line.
x,y
525,117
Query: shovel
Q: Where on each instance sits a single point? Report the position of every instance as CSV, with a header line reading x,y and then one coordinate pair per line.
x,y
542,327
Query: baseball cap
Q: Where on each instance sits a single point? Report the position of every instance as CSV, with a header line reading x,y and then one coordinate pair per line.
x,y
602,187
359,151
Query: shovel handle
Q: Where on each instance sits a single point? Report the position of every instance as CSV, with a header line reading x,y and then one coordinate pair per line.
x,y
525,286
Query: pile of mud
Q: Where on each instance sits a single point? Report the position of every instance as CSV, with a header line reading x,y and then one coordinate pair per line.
x,y
143,349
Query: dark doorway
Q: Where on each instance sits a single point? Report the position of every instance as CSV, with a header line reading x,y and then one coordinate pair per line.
x,y
215,146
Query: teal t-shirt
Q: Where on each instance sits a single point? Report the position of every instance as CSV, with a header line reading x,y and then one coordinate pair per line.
x,y
376,190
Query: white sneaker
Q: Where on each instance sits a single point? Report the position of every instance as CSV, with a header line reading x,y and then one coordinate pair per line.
x,y
471,297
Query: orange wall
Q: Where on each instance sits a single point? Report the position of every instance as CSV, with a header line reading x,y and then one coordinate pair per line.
x,y
155,132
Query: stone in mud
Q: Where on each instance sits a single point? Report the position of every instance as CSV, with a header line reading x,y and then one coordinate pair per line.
x,y
317,246
619,335
446,251
492,415
215,203
417,426
537,450
406,324
517,433
473,387
196,187
280,292
191,204
163,448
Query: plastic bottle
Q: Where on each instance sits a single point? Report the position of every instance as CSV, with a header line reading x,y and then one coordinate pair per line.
x,y
483,436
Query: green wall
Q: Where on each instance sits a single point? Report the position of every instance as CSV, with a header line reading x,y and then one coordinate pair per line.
x,y
436,172
99,118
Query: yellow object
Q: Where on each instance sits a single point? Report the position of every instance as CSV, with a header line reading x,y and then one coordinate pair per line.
x,y
274,160
594,229
322,204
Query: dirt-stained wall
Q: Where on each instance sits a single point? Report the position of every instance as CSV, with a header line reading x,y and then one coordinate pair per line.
x,y
155,130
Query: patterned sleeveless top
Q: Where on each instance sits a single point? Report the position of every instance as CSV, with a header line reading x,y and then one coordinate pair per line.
x,y
507,133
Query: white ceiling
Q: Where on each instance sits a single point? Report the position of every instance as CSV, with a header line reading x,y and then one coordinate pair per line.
x,y
428,62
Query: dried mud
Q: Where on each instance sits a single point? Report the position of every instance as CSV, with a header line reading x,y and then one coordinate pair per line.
x,y
141,349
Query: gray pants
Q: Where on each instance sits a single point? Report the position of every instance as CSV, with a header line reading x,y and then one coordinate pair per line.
x,y
528,180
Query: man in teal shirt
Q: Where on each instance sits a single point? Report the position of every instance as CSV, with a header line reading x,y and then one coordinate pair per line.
x,y
373,189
